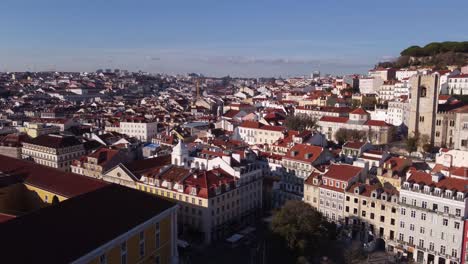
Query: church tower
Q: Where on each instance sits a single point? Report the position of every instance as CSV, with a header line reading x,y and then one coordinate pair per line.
x,y
423,105
180,155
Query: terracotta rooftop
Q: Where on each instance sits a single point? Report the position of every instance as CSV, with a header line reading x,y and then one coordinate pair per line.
x,y
53,141
342,172
53,180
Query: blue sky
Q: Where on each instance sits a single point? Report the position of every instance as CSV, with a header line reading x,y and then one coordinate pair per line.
x,y
240,38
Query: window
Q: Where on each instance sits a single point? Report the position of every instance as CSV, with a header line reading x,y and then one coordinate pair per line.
x,y
446,209
392,221
382,218
457,225
423,92
424,204
411,227
454,253
363,213
347,198
157,235
421,230
372,205
413,213
411,240
442,250
431,246
421,243
372,216
382,207
457,212
402,224
445,222
142,244
401,237
423,216
123,253
403,211
356,200
103,259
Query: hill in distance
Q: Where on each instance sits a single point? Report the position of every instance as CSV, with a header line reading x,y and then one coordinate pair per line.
x,y
436,54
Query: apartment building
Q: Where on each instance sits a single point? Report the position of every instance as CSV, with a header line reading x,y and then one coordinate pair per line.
x,y
95,164
432,214
378,132
56,151
139,127
326,191
319,111
458,84
376,207
398,112
216,192
451,126
253,133
300,161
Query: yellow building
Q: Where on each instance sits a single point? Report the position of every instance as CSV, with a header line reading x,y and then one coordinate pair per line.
x,y
38,129
90,221
101,226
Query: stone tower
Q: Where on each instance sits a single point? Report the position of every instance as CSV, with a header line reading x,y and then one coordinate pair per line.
x,y
423,105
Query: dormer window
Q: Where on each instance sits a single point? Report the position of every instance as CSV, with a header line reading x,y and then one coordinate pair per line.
x,y
156,182
356,190
448,194
416,187
427,189
374,195
325,181
227,186
193,191
384,197
437,191
460,195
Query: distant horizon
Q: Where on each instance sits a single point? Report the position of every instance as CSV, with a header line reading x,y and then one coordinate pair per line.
x,y
247,39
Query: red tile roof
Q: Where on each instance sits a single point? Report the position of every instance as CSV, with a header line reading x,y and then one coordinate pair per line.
x,y
342,172
334,119
448,183
53,180
354,144
359,111
304,153
377,123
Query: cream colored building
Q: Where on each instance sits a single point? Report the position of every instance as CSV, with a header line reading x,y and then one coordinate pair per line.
x,y
55,151
38,129
98,162
374,206
257,133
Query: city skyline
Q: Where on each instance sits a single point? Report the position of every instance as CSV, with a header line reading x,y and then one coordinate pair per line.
x,y
239,39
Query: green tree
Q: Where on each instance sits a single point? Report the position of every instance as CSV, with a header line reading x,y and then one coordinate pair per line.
x,y
412,143
300,122
301,226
